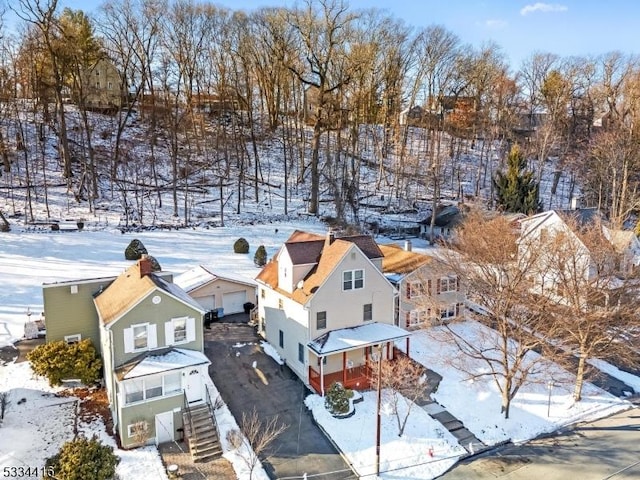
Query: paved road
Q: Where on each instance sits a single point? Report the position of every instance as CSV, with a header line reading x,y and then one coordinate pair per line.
x,y
608,449
302,448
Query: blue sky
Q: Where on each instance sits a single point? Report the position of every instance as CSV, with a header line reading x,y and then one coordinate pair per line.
x,y
572,27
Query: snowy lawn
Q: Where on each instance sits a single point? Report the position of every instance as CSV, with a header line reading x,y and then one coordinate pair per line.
x,y
425,450
477,402
29,259
38,421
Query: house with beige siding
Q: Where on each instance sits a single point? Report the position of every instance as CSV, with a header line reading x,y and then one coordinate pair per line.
x,y
427,293
150,336
225,293
326,307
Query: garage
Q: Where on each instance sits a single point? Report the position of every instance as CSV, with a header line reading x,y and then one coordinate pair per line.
x,y
233,302
208,302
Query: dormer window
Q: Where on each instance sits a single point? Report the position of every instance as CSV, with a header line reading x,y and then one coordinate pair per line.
x,y
352,279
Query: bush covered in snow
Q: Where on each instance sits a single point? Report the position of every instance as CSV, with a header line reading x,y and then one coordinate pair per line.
x,y
58,361
241,246
81,459
135,250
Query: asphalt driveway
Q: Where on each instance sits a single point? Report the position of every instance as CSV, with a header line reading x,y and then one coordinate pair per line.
x,y
233,347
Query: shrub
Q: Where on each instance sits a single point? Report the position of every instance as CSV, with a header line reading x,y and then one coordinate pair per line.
x,y
135,250
81,459
337,399
241,246
260,257
59,361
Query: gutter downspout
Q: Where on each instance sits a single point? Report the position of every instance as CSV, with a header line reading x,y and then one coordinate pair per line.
x,y
322,376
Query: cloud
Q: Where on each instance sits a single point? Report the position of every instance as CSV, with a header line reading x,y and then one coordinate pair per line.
x,y
495,23
543,7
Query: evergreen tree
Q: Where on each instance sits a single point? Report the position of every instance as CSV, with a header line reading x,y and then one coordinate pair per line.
x,y
260,257
81,459
60,361
516,190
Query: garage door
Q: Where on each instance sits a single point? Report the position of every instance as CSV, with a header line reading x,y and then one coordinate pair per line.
x,y
208,302
233,302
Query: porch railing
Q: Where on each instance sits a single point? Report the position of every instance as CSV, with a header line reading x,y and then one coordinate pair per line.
x,y
211,407
356,378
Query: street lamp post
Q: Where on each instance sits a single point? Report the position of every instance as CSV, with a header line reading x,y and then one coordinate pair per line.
x,y
550,387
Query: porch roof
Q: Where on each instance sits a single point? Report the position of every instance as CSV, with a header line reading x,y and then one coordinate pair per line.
x,y
353,338
161,361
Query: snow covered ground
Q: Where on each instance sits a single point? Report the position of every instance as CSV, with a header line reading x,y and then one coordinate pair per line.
x,y
425,450
28,259
528,413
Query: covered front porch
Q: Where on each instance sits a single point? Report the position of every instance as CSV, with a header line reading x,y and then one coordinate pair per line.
x,y
345,355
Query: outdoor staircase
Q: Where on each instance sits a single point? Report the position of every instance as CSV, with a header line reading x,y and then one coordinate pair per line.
x,y
201,433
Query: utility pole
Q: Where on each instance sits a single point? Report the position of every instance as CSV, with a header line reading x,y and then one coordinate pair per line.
x,y
378,408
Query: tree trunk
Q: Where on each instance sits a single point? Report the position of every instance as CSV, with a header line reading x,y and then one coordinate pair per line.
x,y
577,391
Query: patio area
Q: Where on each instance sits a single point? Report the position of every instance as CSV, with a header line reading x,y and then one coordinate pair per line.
x,y
177,453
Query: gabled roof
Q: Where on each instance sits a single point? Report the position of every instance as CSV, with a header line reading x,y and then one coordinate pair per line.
x,y
158,361
398,260
304,252
367,244
130,288
301,236
353,338
202,275
328,260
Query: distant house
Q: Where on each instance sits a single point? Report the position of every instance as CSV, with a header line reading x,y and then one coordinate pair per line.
x,y
448,218
102,87
549,224
334,115
215,291
149,333
326,307
427,295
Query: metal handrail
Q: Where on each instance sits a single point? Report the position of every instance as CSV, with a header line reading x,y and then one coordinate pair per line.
x,y
192,431
211,410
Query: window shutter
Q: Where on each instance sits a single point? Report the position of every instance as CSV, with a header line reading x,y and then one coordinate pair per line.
x,y
128,340
168,333
429,287
457,284
191,329
407,290
152,336
407,319
438,287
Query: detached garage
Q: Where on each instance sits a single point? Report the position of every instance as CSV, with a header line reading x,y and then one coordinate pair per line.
x,y
217,290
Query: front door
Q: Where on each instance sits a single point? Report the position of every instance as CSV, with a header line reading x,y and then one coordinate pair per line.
x,y
164,427
193,386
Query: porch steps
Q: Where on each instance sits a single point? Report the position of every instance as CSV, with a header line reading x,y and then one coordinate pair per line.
x,y
203,440
465,438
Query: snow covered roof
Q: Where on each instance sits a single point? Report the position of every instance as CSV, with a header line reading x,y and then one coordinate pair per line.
x,y
356,337
161,361
202,275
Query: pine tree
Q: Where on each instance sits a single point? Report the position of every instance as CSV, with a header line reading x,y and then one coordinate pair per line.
x,y
60,361
516,190
81,459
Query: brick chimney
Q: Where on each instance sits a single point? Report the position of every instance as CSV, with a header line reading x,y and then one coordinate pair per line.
x,y
331,236
144,265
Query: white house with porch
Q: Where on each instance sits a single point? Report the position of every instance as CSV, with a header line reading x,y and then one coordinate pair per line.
x,y
326,307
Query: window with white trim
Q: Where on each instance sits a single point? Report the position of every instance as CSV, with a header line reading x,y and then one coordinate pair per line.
x,y
448,312
140,336
367,312
353,279
448,284
419,316
136,429
321,320
71,339
416,289
179,330
146,388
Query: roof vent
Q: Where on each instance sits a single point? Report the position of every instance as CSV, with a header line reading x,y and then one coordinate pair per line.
x,y
300,284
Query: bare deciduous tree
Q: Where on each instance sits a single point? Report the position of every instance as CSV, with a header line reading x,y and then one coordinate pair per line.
x,y
403,383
